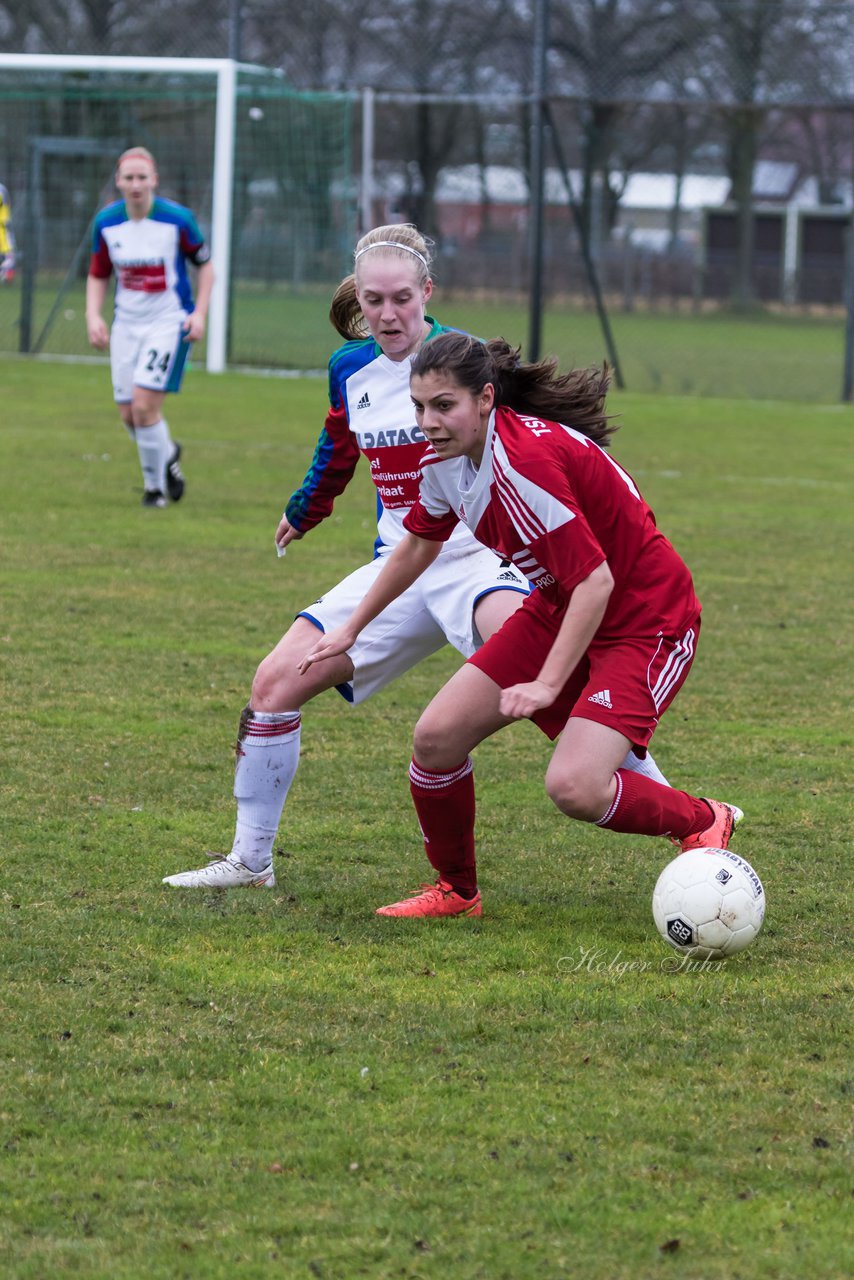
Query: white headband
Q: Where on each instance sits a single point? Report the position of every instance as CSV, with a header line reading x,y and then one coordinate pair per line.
x,y
392,244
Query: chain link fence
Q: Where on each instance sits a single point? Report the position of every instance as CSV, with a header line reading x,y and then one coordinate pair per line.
x,y
642,267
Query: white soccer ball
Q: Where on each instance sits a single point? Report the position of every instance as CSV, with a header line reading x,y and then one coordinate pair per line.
x,y
708,903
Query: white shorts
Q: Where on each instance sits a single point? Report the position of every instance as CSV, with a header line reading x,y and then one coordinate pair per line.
x,y
438,609
150,355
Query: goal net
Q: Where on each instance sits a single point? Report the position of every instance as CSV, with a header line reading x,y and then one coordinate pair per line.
x,y
266,170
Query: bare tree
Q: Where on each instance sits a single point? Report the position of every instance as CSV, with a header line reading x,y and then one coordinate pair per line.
x,y
821,143
759,52
114,27
318,46
619,61
609,52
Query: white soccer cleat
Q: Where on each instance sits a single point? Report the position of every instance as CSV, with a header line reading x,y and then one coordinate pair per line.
x,y
223,873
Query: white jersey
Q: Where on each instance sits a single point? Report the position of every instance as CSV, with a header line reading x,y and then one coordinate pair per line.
x,y
149,257
371,414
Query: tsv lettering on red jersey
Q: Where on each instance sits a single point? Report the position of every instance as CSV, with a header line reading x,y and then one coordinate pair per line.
x,y
537,426
392,439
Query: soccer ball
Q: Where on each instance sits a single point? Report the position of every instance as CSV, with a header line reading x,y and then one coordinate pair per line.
x,y
708,903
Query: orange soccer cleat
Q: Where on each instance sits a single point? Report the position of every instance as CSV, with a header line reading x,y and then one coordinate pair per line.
x,y
439,899
725,819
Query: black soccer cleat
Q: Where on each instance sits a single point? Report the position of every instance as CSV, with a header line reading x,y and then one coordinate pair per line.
x,y
153,498
175,476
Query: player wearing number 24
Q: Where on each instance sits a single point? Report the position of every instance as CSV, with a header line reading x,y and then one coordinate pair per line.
x,y
147,242
516,452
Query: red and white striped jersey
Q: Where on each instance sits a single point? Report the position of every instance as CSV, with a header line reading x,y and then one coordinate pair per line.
x,y
558,506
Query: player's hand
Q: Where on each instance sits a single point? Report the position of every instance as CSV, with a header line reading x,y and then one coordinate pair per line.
x,y
329,646
194,327
286,533
99,334
520,701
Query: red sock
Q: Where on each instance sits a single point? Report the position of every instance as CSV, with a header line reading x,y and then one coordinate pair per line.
x,y
644,807
444,802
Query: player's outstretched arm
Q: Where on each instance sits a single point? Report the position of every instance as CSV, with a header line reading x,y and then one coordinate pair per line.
x,y
404,566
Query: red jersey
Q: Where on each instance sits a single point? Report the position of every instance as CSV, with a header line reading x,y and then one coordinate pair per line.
x,y
558,506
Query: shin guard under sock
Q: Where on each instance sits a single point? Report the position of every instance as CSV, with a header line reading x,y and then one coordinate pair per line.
x,y
644,807
445,804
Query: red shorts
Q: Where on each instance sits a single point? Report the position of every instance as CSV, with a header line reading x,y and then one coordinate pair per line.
x,y
626,684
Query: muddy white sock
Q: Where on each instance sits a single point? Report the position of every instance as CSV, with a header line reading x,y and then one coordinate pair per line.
x,y
268,749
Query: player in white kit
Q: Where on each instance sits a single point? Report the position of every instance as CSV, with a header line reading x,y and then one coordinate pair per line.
x,y
465,596
147,242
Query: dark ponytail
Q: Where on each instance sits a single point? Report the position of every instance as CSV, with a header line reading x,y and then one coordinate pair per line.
x,y
576,398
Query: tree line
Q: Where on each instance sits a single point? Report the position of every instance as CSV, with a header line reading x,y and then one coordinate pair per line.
x,y
633,84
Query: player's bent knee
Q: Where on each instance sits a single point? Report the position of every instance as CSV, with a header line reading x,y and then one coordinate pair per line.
x,y
576,795
434,744
146,413
265,683
260,693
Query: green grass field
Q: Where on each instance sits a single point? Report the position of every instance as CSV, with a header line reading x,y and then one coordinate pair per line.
x,y
761,355
281,1084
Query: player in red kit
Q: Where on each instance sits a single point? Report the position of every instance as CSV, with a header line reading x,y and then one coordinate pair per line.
x,y
380,308
517,452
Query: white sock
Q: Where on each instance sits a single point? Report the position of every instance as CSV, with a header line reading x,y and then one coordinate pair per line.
x,y
644,765
155,448
168,447
268,746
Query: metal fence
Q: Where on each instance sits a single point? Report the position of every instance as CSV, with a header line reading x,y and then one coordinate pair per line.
x,y
656,261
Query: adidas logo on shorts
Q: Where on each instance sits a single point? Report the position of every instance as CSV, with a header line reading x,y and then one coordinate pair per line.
x,y
603,698
507,577
365,402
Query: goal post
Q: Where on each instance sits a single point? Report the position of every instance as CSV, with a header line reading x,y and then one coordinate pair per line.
x,y
261,164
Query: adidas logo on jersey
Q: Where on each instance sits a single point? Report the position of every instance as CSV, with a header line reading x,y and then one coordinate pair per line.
x,y
365,402
603,698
